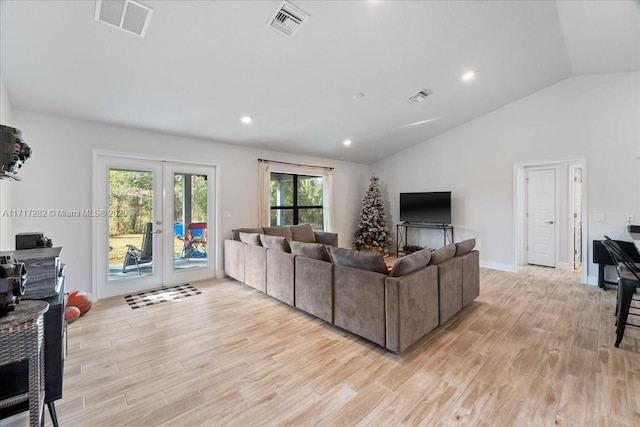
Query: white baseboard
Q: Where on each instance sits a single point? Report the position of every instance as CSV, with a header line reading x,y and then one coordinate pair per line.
x,y
564,266
497,266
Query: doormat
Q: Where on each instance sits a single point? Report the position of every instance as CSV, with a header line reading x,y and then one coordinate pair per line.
x,y
144,299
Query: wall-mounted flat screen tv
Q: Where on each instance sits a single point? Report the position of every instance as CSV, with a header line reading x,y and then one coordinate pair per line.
x,y
431,208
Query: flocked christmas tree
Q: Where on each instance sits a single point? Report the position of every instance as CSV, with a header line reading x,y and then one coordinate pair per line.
x,y
372,229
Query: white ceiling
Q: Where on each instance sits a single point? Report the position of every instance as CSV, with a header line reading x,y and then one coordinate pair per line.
x,y
204,64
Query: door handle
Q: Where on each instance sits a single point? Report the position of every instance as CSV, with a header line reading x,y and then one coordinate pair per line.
x,y
549,222
158,231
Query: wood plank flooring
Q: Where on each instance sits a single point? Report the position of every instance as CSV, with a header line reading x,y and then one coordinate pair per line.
x,y
536,348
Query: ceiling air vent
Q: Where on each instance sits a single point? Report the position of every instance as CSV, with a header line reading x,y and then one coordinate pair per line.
x,y
288,19
420,96
127,15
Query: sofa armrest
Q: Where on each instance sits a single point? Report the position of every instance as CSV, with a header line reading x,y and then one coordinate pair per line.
x,y
450,288
358,302
326,238
314,287
411,307
255,267
470,277
234,259
280,275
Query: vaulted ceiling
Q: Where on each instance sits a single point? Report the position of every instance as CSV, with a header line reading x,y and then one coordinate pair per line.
x,y
346,74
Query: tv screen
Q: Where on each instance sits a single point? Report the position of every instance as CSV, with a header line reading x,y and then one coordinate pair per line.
x,y
432,208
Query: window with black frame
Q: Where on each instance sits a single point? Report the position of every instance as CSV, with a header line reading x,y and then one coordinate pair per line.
x,y
296,199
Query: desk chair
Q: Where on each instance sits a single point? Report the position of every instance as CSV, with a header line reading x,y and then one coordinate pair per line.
x,y
628,282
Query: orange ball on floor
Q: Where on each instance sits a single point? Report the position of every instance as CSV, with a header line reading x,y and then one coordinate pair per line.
x,y
80,300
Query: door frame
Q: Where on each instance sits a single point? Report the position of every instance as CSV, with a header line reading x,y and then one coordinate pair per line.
x,y
213,236
519,211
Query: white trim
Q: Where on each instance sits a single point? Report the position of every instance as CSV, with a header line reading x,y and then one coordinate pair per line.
x,y
564,266
591,280
498,266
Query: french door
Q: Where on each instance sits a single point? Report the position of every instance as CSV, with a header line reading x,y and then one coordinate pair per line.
x,y
154,224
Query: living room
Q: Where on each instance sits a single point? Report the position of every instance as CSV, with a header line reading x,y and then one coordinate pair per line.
x,y
580,105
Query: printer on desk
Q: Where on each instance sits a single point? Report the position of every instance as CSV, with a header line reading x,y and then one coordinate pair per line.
x,y
43,265
32,241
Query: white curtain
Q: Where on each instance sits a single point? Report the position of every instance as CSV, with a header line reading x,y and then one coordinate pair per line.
x,y
264,182
327,199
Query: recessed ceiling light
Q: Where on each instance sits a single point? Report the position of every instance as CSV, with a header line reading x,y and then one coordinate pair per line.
x,y
346,142
469,75
246,119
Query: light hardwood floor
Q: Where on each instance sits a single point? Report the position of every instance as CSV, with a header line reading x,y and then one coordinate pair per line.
x,y
536,348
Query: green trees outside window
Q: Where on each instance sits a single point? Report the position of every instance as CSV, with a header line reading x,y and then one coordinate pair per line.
x,y
296,199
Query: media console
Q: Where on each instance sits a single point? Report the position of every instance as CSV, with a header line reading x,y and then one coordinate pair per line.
x,y
402,239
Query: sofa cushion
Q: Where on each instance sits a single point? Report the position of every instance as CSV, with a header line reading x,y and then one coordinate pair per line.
x,y
303,233
465,246
279,231
250,238
442,254
410,263
278,243
326,238
356,259
235,234
310,250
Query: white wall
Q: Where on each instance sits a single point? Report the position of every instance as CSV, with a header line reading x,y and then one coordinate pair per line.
x,y
7,241
594,117
58,176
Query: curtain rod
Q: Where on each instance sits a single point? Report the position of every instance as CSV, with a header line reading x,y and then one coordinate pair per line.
x,y
295,164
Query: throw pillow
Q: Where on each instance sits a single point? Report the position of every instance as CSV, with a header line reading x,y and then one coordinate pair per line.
x,y
410,263
356,259
250,238
443,254
465,246
310,250
235,234
279,231
303,233
278,243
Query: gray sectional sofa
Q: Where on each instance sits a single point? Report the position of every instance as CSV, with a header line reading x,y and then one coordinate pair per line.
x,y
353,290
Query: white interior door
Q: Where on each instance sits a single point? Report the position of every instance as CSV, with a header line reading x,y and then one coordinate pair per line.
x,y
154,224
541,217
